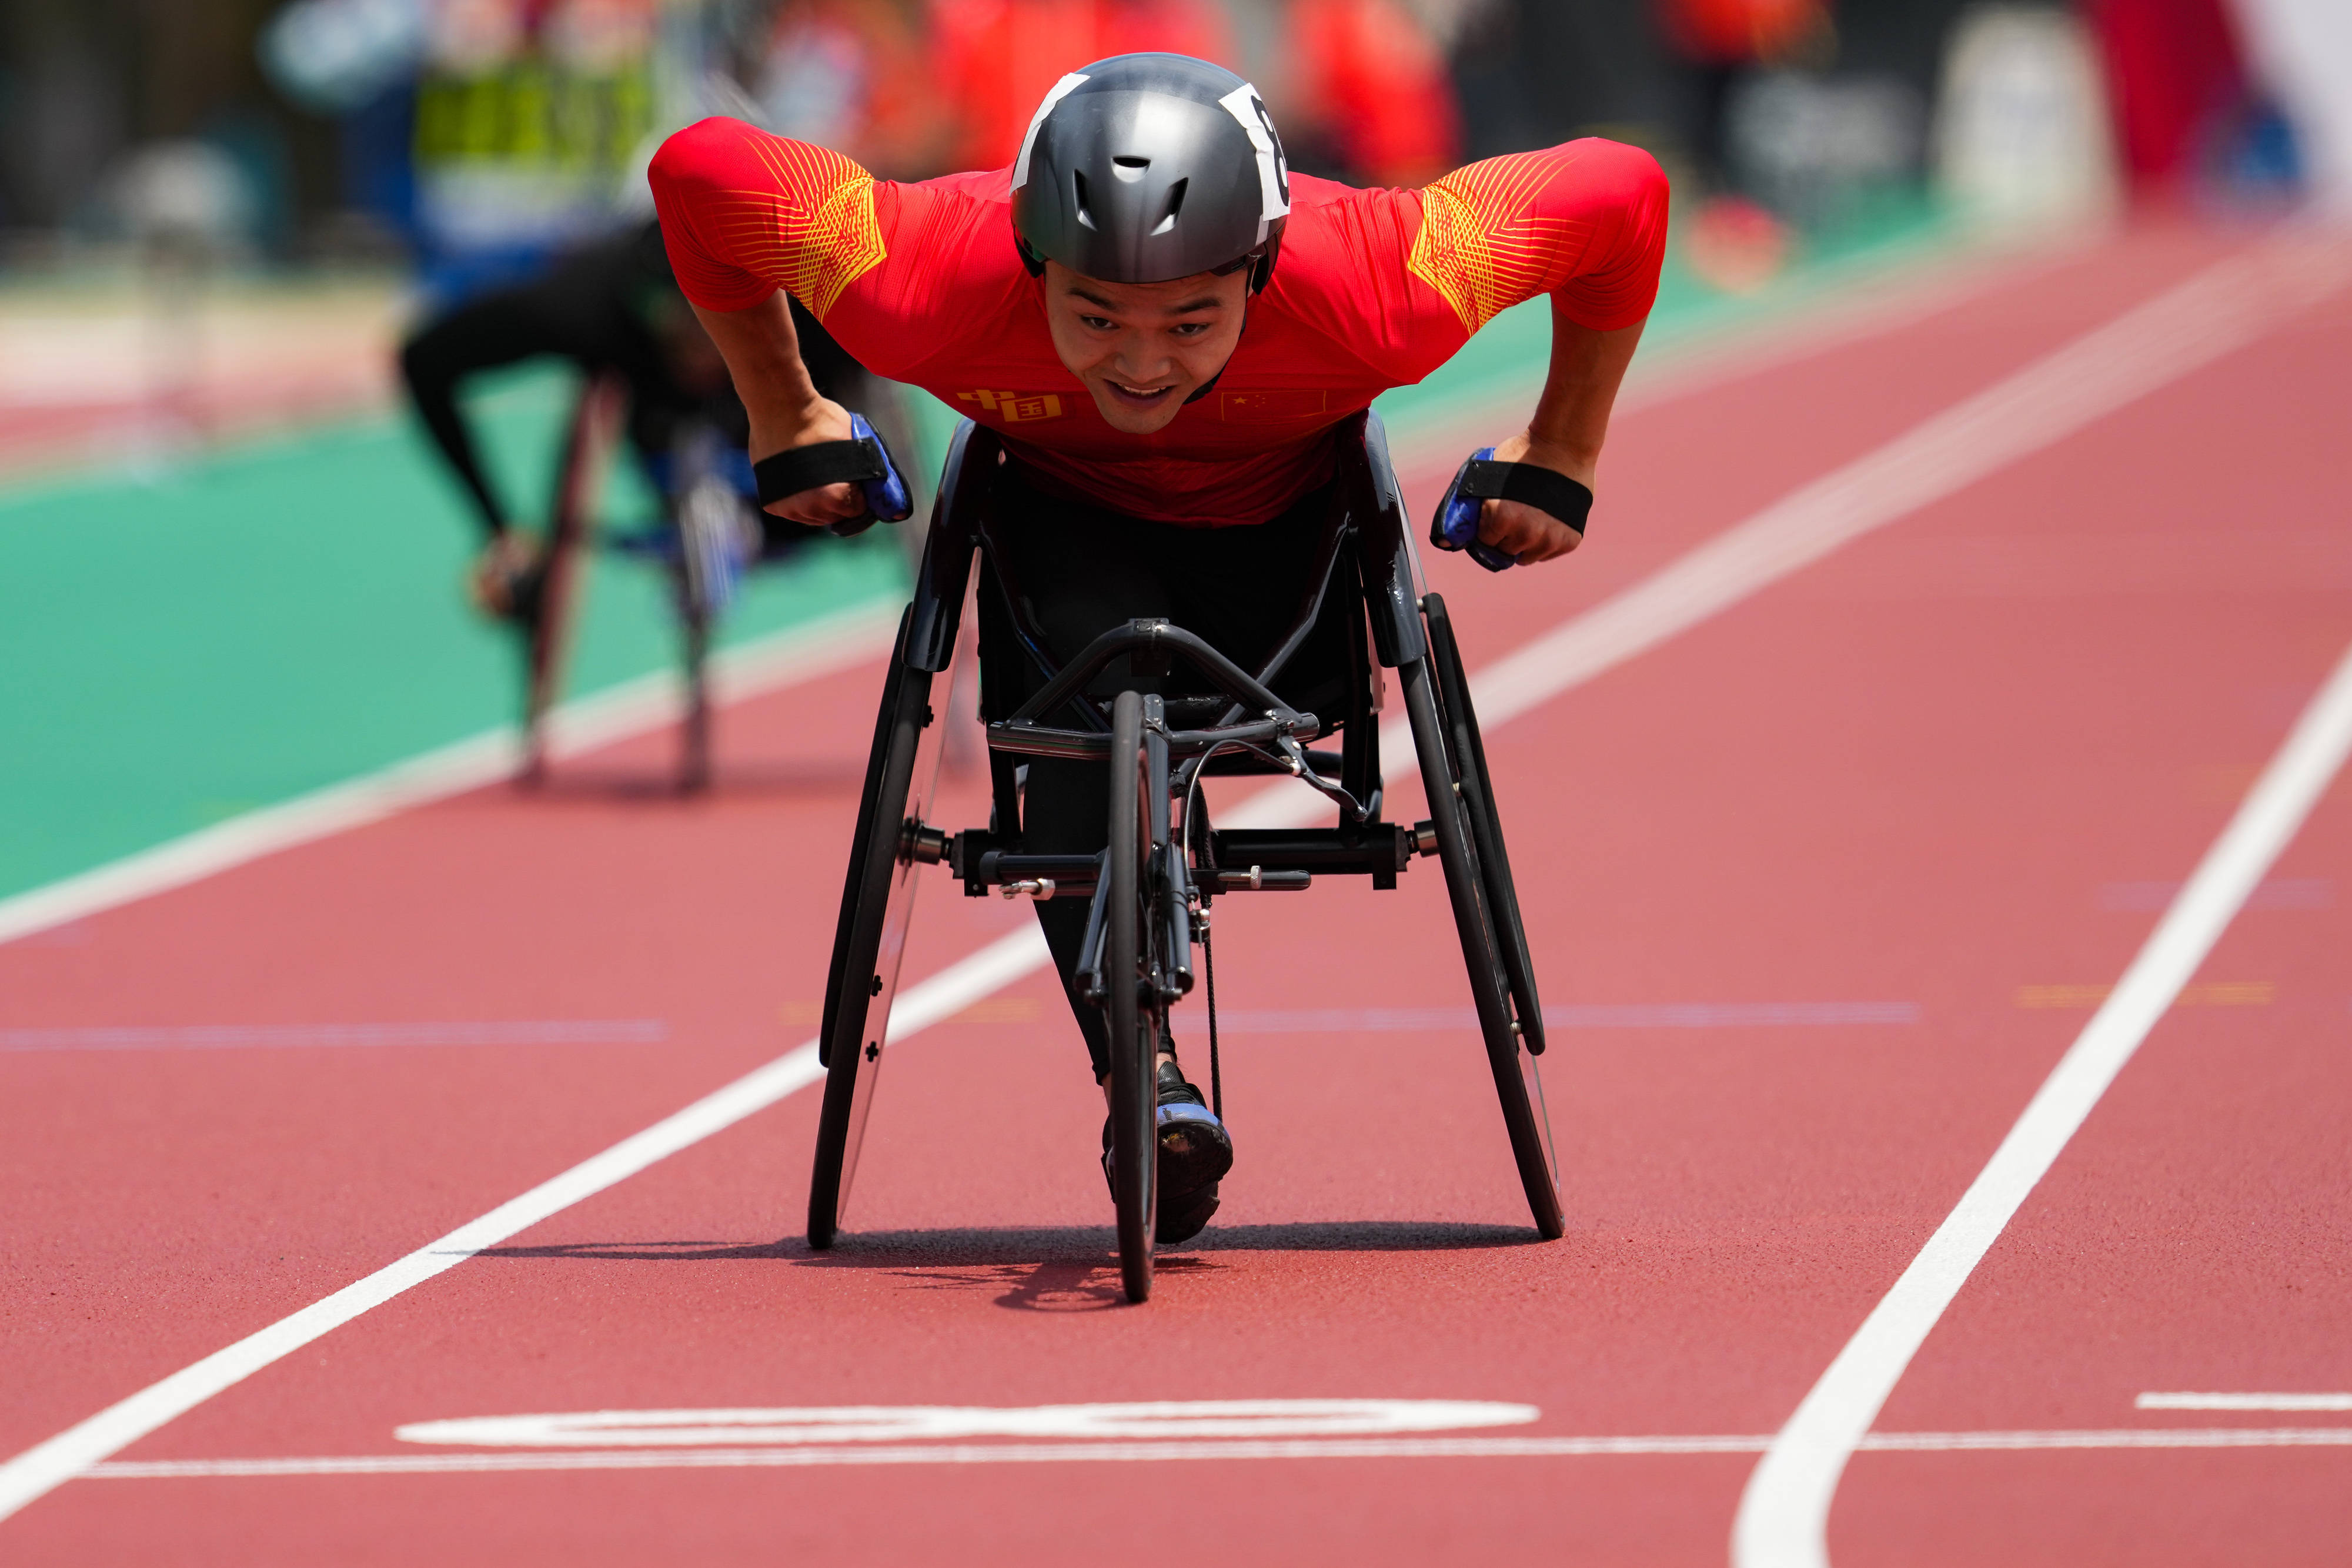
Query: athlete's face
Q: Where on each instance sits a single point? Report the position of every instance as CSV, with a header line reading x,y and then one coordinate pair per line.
x,y
1143,348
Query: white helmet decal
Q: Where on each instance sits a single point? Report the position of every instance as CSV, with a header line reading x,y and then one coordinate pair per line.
x,y
1062,90
1272,171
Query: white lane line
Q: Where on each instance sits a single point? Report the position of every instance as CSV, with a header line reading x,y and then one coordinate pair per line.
x,y
1230,1449
2220,309
802,1425
286,1036
1775,543
73,1451
2275,893
831,643
1783,1519
2243,1402
1834,308
1592,1015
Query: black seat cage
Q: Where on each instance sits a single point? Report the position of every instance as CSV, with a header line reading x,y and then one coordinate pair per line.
x,y
1150,644
1364,547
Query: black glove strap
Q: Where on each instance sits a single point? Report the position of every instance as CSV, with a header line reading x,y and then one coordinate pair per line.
x,y
1530,485
798,468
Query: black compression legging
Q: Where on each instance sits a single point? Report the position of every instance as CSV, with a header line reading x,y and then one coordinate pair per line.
x,y
596,308
583,310
1084,570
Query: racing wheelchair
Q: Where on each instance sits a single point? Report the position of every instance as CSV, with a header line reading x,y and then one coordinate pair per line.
x,y
1148,891
705,541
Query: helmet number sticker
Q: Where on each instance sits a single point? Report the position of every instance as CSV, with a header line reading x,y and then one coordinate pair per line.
x,y
1273,171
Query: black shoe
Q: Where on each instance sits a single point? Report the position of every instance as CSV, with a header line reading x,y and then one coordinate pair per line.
x,y
1196,1152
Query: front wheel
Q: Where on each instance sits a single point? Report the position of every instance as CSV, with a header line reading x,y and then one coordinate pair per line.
x,y
1134,1035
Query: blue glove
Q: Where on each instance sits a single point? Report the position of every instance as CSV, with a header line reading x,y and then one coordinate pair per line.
x,y
1455,527
1481,479
887,497
862,460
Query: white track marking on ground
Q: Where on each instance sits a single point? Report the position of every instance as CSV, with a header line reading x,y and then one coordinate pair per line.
x,y
289,1036
1238,1450
768,664
1841,305
1158,1419
2243,1402
1783,1519
1594,1015
1707,580
73,1451
2220,309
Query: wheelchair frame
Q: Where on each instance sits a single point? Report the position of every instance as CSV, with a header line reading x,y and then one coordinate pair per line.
x,y
590,437
1150,889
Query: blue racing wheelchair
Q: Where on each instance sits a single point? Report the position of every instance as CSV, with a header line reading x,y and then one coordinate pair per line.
x,y
1148,892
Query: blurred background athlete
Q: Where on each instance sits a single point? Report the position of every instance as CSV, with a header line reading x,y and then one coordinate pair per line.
x,y
610,308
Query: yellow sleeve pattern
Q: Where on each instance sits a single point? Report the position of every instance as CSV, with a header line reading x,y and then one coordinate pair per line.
x,y
1485,244
812,232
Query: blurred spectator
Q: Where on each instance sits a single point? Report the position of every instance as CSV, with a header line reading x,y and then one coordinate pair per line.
x,y
519,117
1805,145
995,59
1369,97
1359,86
2174,71
2188,114
2302,50
1726,42
85,83
1534,73
2021,120
187,196
853,75
1731,242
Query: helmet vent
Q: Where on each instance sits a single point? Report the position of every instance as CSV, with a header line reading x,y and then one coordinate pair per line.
x,y
1078,183
1128,170
1175,205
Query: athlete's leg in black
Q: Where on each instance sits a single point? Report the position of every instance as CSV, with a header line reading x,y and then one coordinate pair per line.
x,y
1084,570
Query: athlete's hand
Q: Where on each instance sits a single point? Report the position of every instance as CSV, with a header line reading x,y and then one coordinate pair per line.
x,y
822,420
1530,534
508,557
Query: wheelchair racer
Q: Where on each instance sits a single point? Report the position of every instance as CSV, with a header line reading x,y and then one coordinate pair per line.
x,y
612,306
1165,326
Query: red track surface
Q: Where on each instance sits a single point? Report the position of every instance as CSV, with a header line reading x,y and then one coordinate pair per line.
x,y
1906,775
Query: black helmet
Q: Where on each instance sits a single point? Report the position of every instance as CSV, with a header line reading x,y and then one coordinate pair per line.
x,y
1144,168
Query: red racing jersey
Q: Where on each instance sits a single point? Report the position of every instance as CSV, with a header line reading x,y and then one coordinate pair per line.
x,y
1375,288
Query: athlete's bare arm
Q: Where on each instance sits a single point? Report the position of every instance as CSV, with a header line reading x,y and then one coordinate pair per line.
x,y
763,355
1571,420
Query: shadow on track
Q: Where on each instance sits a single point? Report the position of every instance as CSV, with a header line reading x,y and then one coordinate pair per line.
x,y
593,786
1044,1267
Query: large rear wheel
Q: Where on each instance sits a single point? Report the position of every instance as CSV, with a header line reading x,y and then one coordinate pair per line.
x,y
1518,1083
870,939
